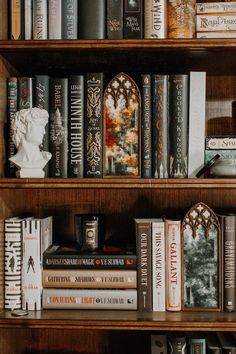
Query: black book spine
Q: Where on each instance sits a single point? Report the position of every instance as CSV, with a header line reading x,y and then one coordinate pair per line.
x,y
92,19
114,19
160,126
69,14
76,127
58,127
93,125
177,343
133,19
41,100
146,141
178,120
25,92
12,93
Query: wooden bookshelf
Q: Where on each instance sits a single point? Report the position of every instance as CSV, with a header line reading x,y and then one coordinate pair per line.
x,y
119,199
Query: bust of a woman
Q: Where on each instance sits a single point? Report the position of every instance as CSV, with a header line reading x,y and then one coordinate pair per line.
x,y
28,129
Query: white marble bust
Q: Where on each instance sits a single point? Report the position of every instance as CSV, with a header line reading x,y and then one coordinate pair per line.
x,y
28,129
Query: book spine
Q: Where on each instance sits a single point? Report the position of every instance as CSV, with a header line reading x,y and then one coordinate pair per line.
x,y
91,26
16,20
160,149
40,21
114,19
133,19
90,279
93,127
181,19
223,143
178,133
54,19
25,92
155,19
76,127
197,112
28,14
12,97
217,22
144,267
109,299
58,127
224,154
146,140
177,343
122,262
69,19
212,7
228,229
2,240
173,265
41,100
197,345
159,343
158,266
216,34
12,259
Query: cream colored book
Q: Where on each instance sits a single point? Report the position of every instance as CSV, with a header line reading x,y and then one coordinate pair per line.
x,y
155,19
217,22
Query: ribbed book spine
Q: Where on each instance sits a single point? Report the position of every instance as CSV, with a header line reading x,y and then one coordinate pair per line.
x,y
12,97
76,127
25,92
58,127
40,19
12,259
69,21
114,19
160,129
92,19
133,19
146,121
155,19
93,125
54,19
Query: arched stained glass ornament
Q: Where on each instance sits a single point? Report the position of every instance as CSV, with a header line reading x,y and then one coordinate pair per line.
x,y
201,270
122,111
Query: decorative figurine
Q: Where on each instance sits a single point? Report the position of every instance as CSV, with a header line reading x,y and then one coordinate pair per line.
x,y
28,129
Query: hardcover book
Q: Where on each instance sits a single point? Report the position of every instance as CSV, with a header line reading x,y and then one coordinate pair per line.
x,y
25,92
178,131
92,19
93,125
104,299
58,127
215,7
197,121
220,142
28,19
196,343
114,19
216,34
122,111
227,342
177,343
173,264
40,19
16,20
146,127
55,18
159,343
160,128
133,19
224,154
143,232
76,127
155,19
69,20
212,343
216,22
119,279
2,270
69,257
36,237
181,18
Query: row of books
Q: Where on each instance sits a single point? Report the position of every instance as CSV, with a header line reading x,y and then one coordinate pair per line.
x,y
153,128
193,343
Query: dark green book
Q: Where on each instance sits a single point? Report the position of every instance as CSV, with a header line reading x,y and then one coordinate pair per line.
x,y
92,19
114,19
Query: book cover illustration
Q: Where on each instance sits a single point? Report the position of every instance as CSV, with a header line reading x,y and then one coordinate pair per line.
x,y
133,19
122,110
200,251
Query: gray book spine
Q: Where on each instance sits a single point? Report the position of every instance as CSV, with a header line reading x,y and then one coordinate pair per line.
x,y
114,19
69,21
54,19
92,19
25,92
40,19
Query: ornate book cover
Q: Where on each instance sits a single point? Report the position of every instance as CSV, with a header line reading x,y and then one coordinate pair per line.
x,y
69,20
25,92
58,127
160,129
215,7
40,19
122,110
155,19
133,19
181,18
146,127
92,19
215,22
177,343
36,237
76,127
196,343
178,125
115,19
54,19
104,299
93,125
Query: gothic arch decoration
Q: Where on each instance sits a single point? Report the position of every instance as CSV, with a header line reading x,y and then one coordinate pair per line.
x,y
201,271
122,111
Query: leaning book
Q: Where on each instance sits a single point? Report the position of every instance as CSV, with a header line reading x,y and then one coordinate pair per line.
x,y
105,299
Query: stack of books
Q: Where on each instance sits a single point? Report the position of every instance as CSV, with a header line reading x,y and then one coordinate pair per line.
x,y
216,20
75,279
